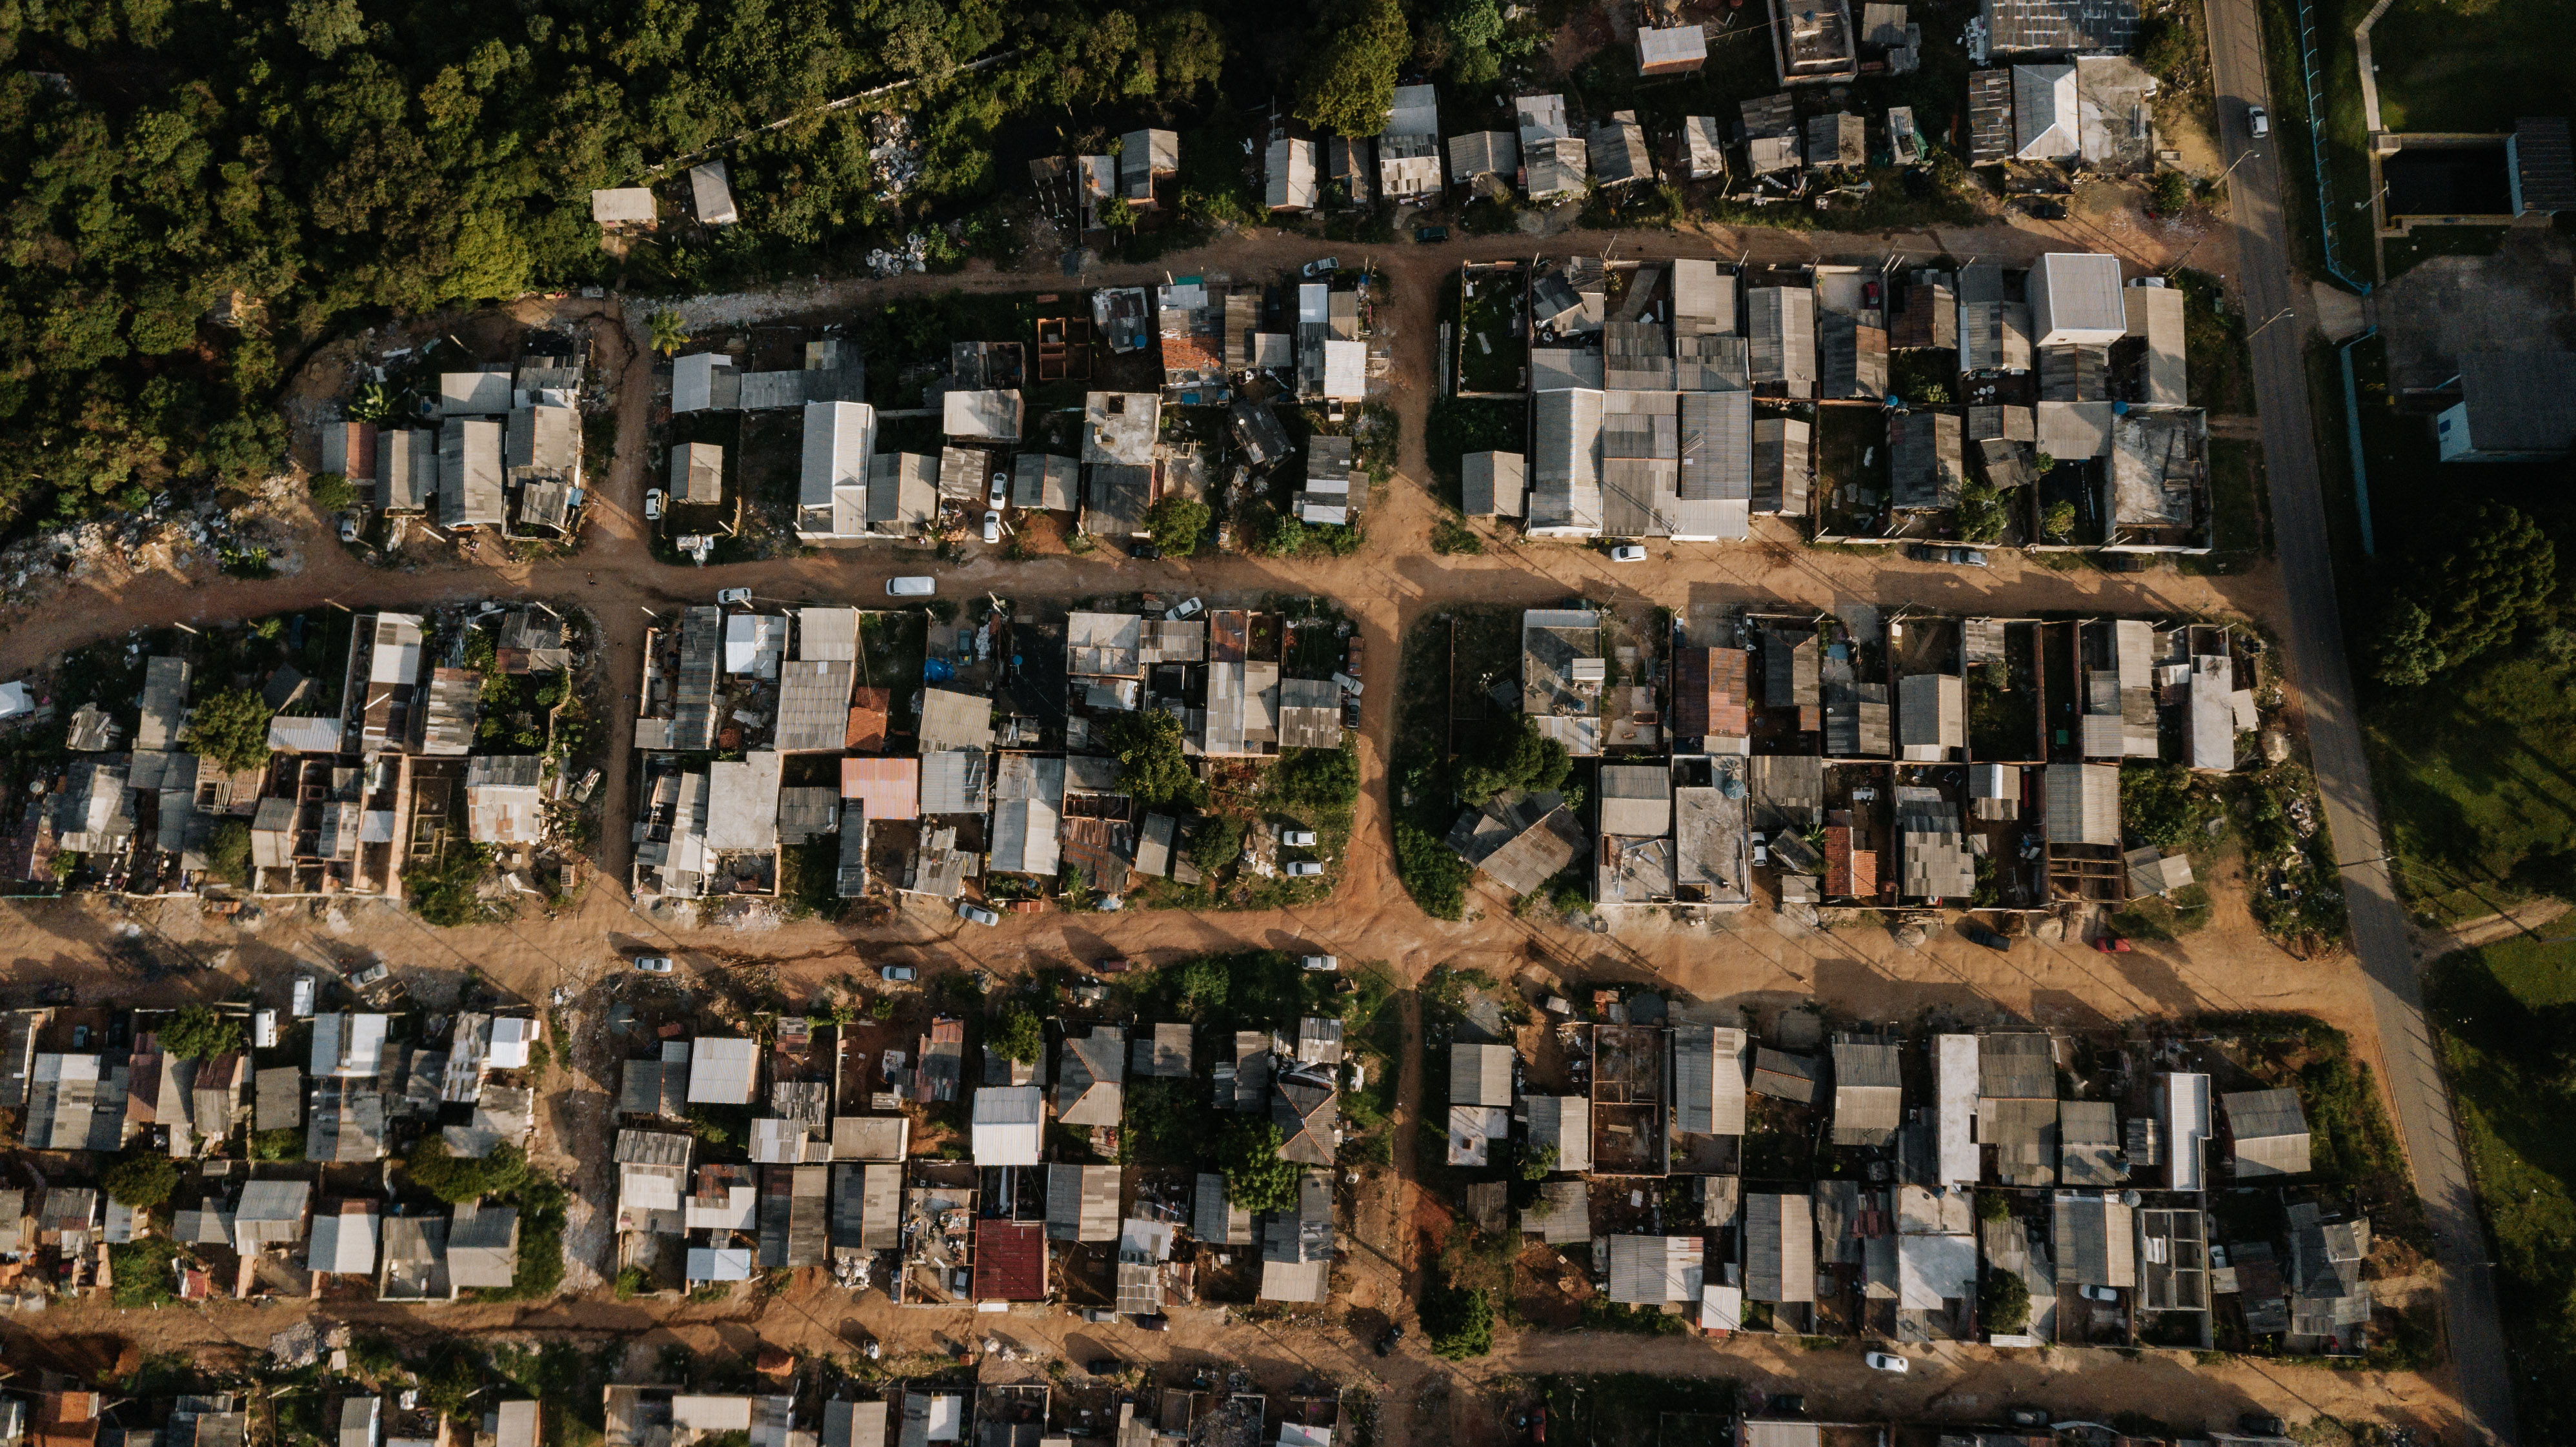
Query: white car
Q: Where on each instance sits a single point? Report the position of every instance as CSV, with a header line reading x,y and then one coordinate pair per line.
x,y
897,974
348,527
1187,608
1761,851
2100,1293
1303,869
992,526
1297,838
1001,491
912,587
653,499
653,964
1325,267
1886,1362
1628,553
2257,124
1323,963
973,913
731,596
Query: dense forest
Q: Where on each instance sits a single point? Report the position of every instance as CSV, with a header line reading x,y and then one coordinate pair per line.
x,y
198,191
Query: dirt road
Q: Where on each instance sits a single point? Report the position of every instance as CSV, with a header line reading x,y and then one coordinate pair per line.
x,y
1761,961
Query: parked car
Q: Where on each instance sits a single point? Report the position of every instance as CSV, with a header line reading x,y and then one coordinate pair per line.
x,y
1303,869
1114,966
1789,1404
2025,1417
348,527
973,913
2261,1424
1297,838
1186,608
80,1037
2111,944
370,977
898,974
1761,850
1143,550
1104,1366
1099,1315
1628,553
1387,1339
911,587
1886,1362
1325,963
653,964
2099,1293
992,526
2257,124
1977,934
1430,235
1325,267
653,500
1942,553
1155,1322
1000,493
731,596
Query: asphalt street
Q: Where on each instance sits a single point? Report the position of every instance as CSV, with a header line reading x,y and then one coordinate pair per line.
x,y
2277,310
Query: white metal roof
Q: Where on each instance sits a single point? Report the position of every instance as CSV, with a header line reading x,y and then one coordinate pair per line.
x,y
1955,1087
351,1046
722,1069
1008,1122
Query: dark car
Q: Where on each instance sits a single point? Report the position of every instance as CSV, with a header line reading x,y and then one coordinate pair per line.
x,y
1386,1341
2262,1424
1155,1322
1942,553
1429,234
2044,210
1788,1404
2025,1416
1143,550
1104,1366
1977,934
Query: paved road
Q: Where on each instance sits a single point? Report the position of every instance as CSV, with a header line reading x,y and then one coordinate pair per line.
x,y
2323,677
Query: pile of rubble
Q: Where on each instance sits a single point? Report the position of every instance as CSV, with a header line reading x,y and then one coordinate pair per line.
x,y
915,256
893,156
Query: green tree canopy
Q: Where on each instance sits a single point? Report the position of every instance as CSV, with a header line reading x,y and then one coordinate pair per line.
x,y
1350,84
141,1181
1177,523
1017,1035
1459,1320
1153,768
457,1179
230,728
2005,1301
2500,575
196,1032
1515,756
1256,1179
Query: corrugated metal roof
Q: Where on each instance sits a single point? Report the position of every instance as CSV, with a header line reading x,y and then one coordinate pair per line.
x,y
1780,1248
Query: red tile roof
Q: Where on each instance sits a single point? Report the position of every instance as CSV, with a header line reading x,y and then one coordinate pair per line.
x,y
871,713
891,787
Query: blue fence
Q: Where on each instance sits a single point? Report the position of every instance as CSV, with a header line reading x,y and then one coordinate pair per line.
x,y
2310,82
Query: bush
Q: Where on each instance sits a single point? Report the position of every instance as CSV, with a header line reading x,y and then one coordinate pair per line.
x,y
1217,845
2003,1300
196,1032
333,493
1458,1320
1516,756
1256,1179
1017,1037
1432,874
457,1179
140,1181
1177,523
2170,192
2157,806
230,728
1450,536
1319,779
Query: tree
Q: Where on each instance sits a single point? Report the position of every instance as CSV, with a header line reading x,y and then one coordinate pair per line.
x,y
1153,768
1176,524
196,1032
1017,1036
2156,804
2170,192
1982,518
1349,87
1116,214
1217,844
457,1179
1202,986
1256,1178
2003,1299
230,728
2058,522
1516,756
1285,537
141,1181
1317,778
669,332
2499,576
1479,41
1539,1164
1459,1320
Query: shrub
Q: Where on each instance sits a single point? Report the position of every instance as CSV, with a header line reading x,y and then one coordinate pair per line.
x,y
1176,524
2004,1300
1017,1037
141,1181
2170,192
196,1032
1459,1321
1256,1179
333,492
1450,536
457,1179
1153,768
231,728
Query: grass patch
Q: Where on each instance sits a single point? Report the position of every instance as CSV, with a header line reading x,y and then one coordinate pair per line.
x,y
2241,501
1492,355
2477,782
2474,67
143,1272
1460,425
2218,368
2503,1014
